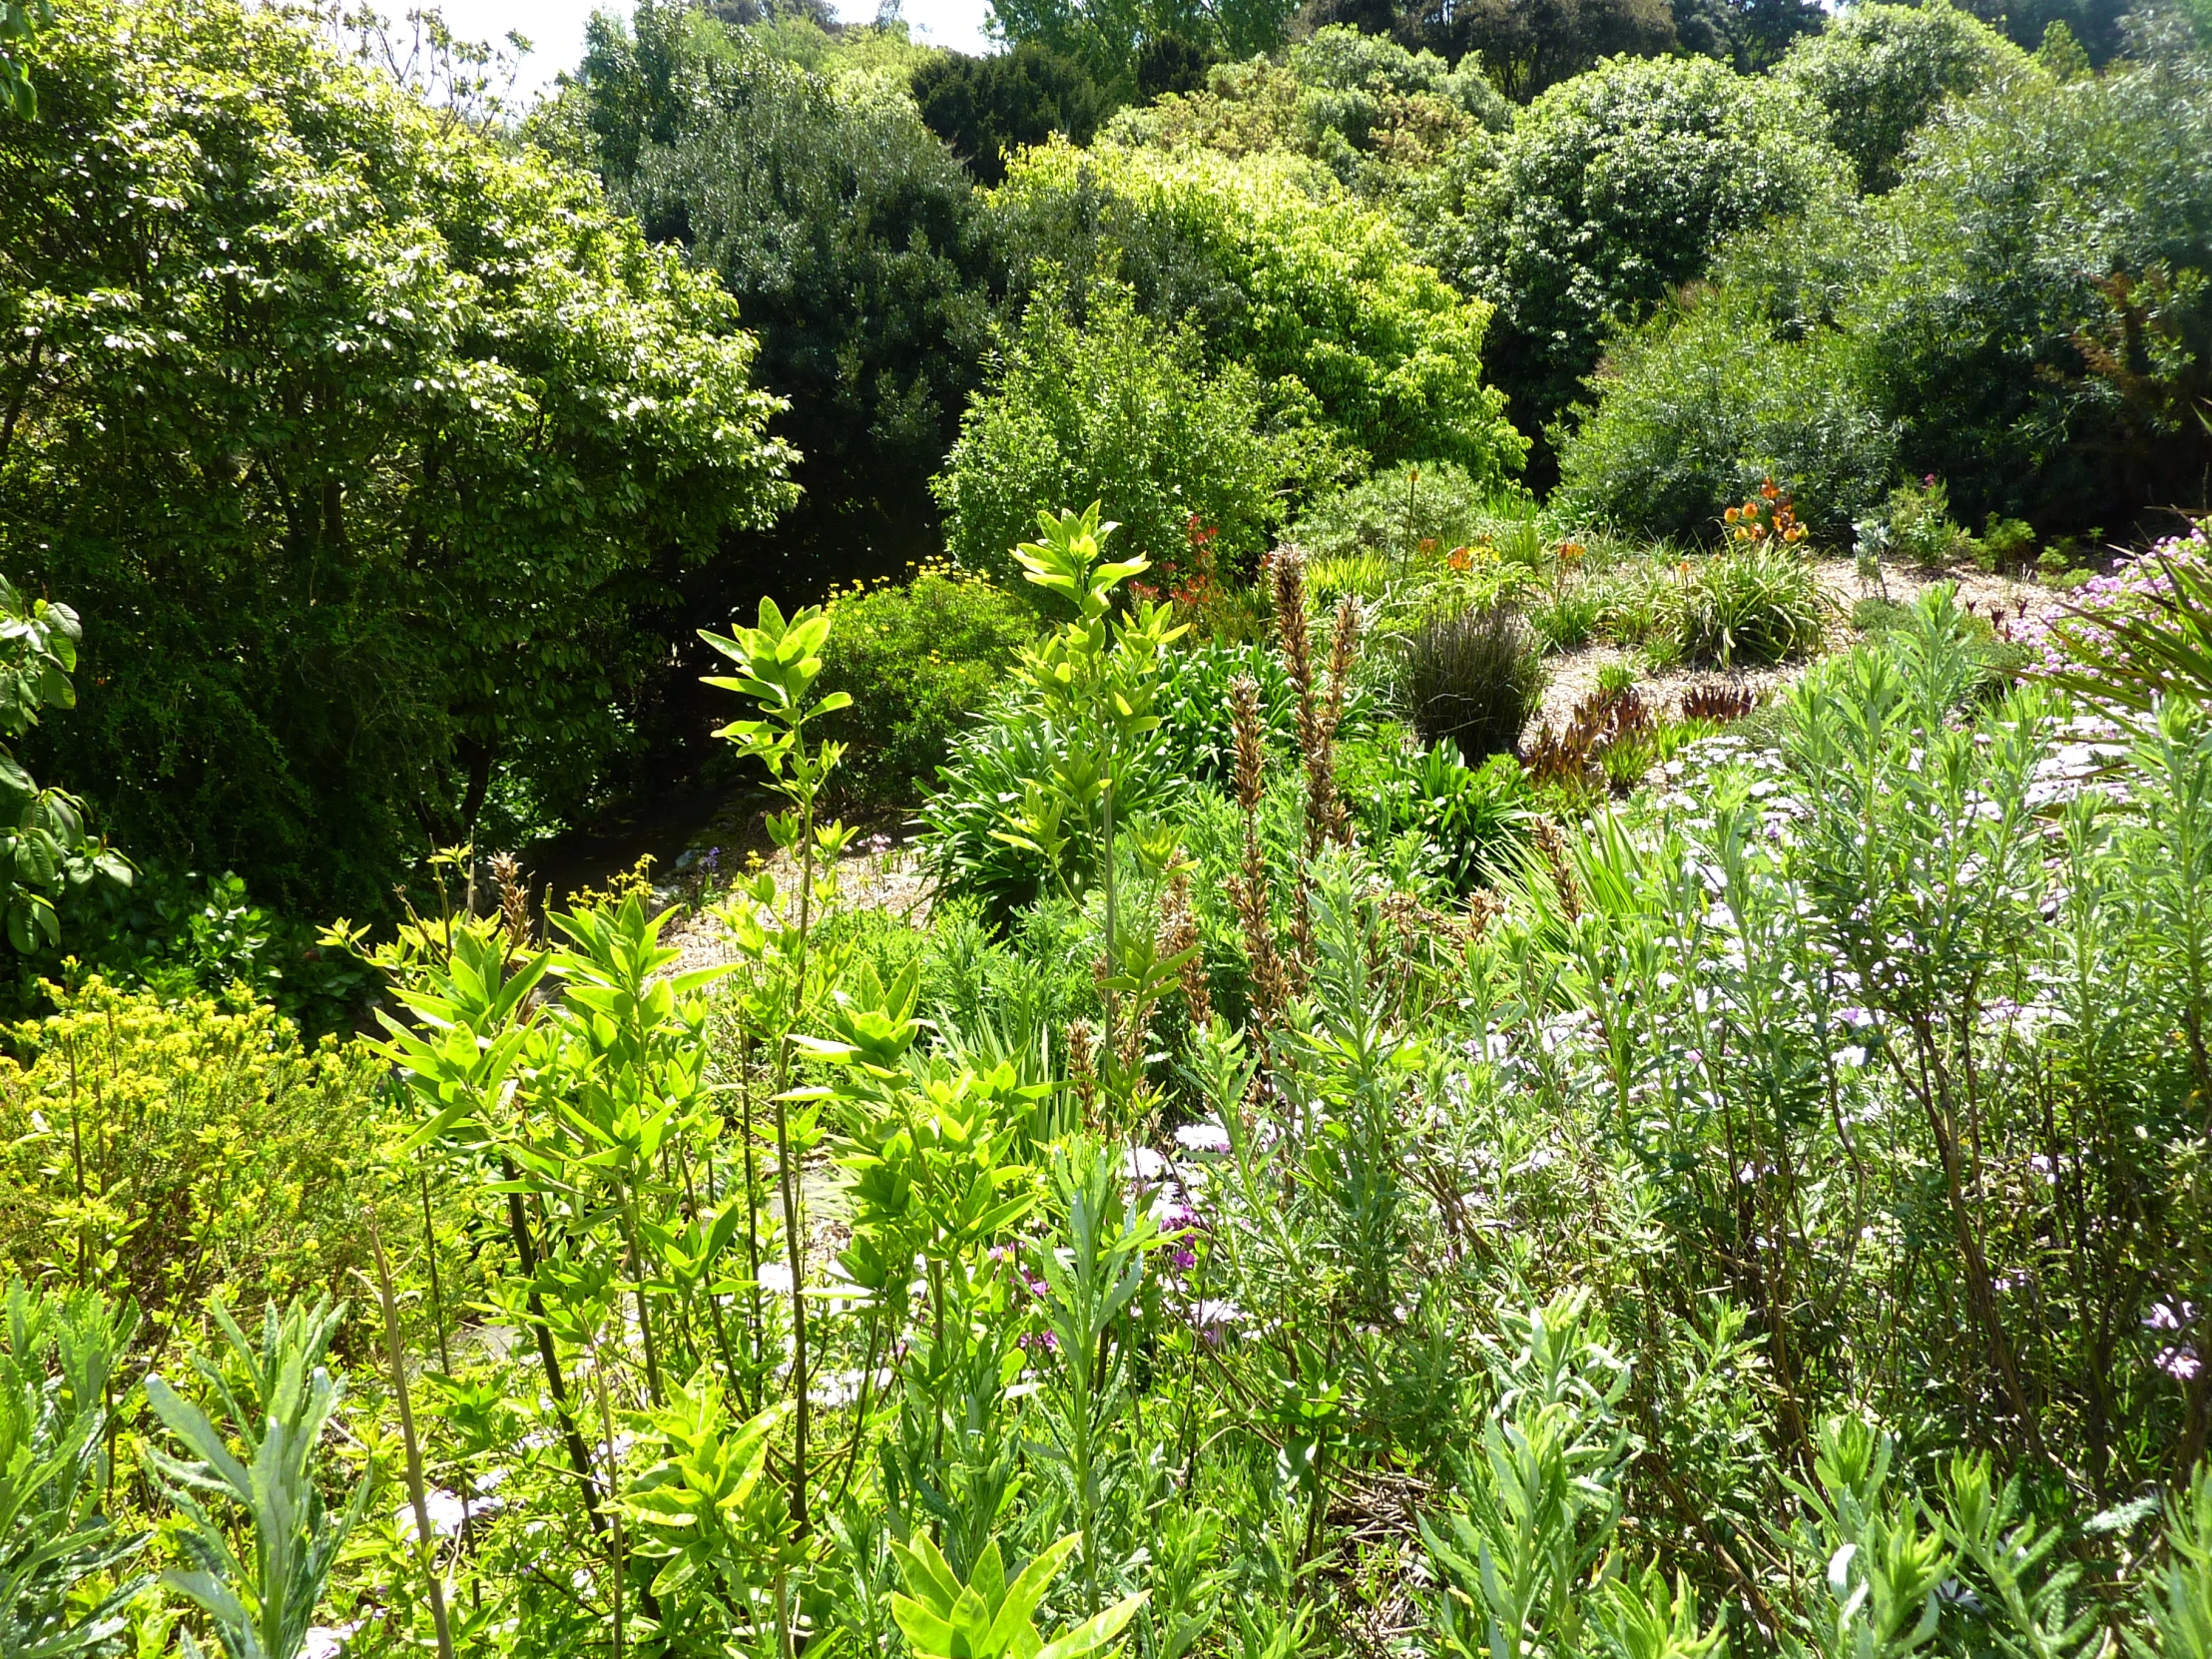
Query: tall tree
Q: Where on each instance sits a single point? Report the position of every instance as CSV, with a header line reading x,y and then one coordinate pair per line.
x,y
845,228
986,108
1124,42
363,438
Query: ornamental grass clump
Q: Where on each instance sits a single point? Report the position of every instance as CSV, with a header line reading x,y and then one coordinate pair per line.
x,y
1755,603
1475,679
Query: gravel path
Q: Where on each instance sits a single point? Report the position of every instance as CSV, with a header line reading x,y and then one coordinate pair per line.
x,y
1574,673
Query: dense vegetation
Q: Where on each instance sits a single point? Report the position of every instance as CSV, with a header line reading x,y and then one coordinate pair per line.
x,y
1463,904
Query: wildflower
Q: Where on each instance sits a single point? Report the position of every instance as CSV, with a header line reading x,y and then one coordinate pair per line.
x,y
448,1511
1216,1313
1141,1163
1205,1136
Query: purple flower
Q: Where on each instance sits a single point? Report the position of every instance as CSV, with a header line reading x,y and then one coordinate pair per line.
x,y
2166,1316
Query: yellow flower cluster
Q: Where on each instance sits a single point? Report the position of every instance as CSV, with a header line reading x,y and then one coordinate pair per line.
x,y
938,566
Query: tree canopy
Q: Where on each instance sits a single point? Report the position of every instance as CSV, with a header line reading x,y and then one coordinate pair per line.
x,y
1281,268
363,441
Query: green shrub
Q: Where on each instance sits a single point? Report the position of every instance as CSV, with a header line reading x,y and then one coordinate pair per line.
x,y
991,763
2005,544
167,1149
1566,611
1113,407
1748,605
1996,310
915,658
1364,106
1917,523
1394,510
1280,270
1875,616
1879,72
1612,190
1474,680
1698,405
1131,47
847,236
1458,818
179,934
1192,707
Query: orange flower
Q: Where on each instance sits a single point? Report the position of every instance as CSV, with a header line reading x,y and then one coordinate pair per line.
x,y
1462,558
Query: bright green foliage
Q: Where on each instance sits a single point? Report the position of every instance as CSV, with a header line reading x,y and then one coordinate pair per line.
x,y
1362,104
915,658
931,1172
43,845
162,1147
2178,1599
1394,511
1756,604
1880,71
19,20
989,1618
1455,819
366,457
1300,281
1353,78
60,1550
1087,695
1542,1499
1093,1268
1099,403
1611,190
1012,787
1883,1567
777,663
1193,705
704,1509
278,1410
1998,1540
